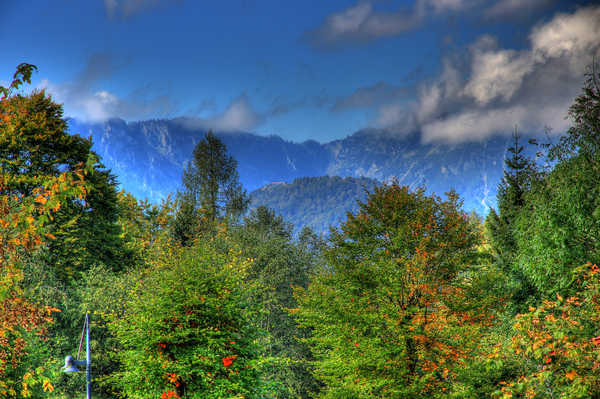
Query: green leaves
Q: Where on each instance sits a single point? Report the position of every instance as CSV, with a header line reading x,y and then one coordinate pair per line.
x,y
186,328
22,74
382,311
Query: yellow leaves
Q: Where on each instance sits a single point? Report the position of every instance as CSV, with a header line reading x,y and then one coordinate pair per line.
x,y
47,386
538,344
571,375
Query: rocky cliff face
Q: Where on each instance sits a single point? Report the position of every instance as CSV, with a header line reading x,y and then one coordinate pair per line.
x,y
149,156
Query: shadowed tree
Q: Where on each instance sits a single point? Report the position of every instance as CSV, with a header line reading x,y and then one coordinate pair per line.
x,y
211,190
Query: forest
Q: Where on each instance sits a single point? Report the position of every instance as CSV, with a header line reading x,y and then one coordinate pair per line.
x,y
316,202
196,297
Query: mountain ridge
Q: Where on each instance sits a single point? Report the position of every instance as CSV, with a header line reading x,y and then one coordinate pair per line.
x,y
149,156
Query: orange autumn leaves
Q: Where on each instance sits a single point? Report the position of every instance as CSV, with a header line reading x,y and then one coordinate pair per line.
x,y
387,308
559,341
168,394
24,217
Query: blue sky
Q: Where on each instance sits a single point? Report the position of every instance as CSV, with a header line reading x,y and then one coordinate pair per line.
x,y
452,70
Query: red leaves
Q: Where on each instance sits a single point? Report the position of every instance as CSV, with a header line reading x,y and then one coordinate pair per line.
x,y
228,361
168,394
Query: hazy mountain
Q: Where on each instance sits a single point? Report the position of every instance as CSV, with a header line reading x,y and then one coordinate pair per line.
x,y
316,202
149,156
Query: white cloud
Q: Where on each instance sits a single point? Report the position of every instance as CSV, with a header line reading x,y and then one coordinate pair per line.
x,y
360,23
499,88
497,74
239,115
83,100
448,85
568,35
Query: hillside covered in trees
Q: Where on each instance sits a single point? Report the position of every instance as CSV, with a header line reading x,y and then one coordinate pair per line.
x,y
315,202
198,298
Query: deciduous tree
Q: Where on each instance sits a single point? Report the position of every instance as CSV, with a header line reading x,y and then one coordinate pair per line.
x,y
385,311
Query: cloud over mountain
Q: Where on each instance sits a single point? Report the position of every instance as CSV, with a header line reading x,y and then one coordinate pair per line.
x,y
494,88
239,115
83,99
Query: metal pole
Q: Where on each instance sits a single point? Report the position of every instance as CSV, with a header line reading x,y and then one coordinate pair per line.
x,y
88,365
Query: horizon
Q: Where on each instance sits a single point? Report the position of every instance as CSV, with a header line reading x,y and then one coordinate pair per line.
x,y
454,71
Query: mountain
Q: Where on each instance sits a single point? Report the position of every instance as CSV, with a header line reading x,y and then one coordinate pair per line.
x,y
149,156
316,202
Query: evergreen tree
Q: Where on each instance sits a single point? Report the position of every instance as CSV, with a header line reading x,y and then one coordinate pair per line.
x,y
519,176
560,230
212,191
516,181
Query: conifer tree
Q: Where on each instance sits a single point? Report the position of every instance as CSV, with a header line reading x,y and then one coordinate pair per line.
x,y
511,198
212,191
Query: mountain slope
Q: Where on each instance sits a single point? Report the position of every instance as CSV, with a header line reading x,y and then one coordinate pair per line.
x,y
316,202
149,156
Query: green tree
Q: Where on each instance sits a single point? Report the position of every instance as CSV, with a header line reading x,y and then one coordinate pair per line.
x,y
559,229
144,226
278,265
35,143
519,176
387,310
557,344
28,203
186,329
211,190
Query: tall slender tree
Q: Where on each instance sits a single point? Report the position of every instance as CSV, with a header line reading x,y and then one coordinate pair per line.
x,y
211,190
515,183
519,174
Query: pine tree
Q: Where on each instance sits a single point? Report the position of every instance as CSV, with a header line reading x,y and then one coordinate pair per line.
x,y
515,183
212,191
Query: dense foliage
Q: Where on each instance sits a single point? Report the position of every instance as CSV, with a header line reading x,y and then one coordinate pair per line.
x,y
186,329
316,202
408,298
385,312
